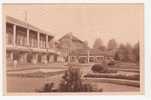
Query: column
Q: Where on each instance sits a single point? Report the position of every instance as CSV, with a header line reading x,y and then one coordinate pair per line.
x,y
14,35
27,37
59,59
47,41
51,58
34,58
11,57
44,59
88,56
23,58
38,38
95,59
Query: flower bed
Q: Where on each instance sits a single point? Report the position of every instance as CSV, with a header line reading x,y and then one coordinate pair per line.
x,y
114,76
35,74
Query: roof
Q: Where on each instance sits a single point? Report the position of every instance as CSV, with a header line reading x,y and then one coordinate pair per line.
x,y
71,36
92,52
18,22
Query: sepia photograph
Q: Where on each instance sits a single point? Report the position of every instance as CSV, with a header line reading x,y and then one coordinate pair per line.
x,y
73,49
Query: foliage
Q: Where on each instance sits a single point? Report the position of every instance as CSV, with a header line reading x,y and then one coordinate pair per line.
x,y
116,56
101,68
111,63
98,44
112,44
127,53
71,82
48,87
136,52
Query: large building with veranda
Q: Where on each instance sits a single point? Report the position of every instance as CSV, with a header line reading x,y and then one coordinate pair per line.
x,y
26,43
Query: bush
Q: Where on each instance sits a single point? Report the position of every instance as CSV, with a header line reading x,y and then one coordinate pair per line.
x,y
99,68
102,68
71,82
48,87
111,63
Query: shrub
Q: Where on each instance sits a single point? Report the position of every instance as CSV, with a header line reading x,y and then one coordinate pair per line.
x,y
48,87
71,82
111,63
101,68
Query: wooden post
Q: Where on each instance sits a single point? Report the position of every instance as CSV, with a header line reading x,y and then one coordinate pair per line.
x,y
38,39
88,55
14,35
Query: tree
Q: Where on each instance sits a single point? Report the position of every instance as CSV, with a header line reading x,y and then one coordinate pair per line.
x,y
116,56
112,44
72,82
136,52
129,49
98,44
123,52
102,48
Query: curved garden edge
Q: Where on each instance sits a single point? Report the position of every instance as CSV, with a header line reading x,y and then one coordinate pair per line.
x,y
114,81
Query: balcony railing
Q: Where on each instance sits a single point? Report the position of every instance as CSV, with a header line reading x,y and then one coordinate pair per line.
x,y
33,43
42,44
21,41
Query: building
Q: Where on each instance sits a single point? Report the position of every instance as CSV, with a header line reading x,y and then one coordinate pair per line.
x,y
26,43
72,42
76,50
69,43
91,56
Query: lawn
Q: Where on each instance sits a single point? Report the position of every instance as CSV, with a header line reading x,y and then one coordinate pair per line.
x,y
32,82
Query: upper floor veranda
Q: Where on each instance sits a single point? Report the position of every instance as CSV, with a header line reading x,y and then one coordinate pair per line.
x,y
20,34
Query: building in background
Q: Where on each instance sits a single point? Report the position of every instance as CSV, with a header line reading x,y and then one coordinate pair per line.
x,y
69,43
26,43
78,51
91,56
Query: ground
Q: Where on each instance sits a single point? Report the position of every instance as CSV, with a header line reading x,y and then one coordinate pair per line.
x,y
32,84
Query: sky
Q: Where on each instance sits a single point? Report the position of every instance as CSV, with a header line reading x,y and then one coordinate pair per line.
x,y
124,23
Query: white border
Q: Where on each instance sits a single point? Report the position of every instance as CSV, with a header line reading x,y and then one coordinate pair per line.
x,y
147,28
73,1
147,48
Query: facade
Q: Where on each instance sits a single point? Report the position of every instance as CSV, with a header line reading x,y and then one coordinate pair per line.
x,y
69,43
91,56
76,50
28,44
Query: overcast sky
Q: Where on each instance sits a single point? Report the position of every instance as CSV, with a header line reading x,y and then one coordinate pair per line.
x,y
88,22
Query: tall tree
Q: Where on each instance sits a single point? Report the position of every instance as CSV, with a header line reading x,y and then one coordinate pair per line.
x,y
123,52
112,44
136,52
98,44
129,50
116,56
